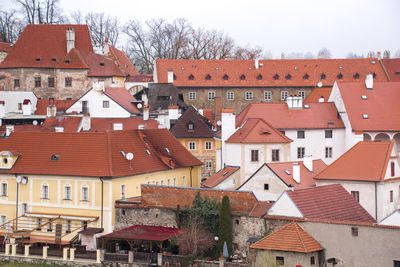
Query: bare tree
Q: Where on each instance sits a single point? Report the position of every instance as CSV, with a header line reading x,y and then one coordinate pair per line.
x,y
76,17
248,52
102,27
397,54
324,53
10,25
354,55
38,12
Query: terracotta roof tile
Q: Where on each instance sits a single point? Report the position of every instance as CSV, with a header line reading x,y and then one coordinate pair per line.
x,y
202,127
5,47
42,104
140,78
278,115
317,93
261,209
366,161
145,232
122,96
290,237
70,124
100,66
331,202
124,63
220,176
106,124
234,69
393,68
257,130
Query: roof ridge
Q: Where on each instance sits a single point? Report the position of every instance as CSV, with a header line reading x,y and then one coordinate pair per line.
x,y
296,226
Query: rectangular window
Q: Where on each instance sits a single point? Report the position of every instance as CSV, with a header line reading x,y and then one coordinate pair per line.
x,y
208,164
254,155
328,152
392,169
208,145
300,152
106,104
312,260
249,95
85,194
38,81
168,182
267,95
16,83
39,224
50,81
301,134
280,260
123,191
184,181
174,181
3,221
354,231
266,186
302,94
284,95
67,193
192,95
391,196
19,106
68,81
211,95
192,145
49,226
45,191
68,228
3,189
275,154
356,195
24,207
230,95
328,133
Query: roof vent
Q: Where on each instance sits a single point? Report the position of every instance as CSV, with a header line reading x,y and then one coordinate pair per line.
x,y
296,68
216,68
37,59
287,172
340,67
182,68
225,173
364,97
306,106
365,116
55,157
249,68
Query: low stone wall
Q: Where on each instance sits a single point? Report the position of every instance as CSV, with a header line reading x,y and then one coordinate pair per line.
x,y
40,260
131,216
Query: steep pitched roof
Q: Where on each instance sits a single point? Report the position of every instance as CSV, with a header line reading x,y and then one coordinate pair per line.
x,y
317,93
331,202
392,67
257,130
5,47
122,97
106,124
220,176
381,105
124,63
290,237
96,154
202,127
366,161
101,66
46,42
145,232
278,115
242,73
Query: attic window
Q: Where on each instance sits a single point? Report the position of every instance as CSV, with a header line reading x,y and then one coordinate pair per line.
x,y
288,76
287,172
37,59
54,59
190,126
374,75
242,77
259,77
323,76
67,61
265,132
55,157
226,77
101,64
276,77
208,77
191,77
356,76
148,152
365,116
331,123
306,76
364,97
339,76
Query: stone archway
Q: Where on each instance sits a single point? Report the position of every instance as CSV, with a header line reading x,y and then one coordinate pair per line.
x,y
382,137
366,137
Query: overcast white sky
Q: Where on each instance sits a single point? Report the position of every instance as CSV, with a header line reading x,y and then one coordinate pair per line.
x,y
287,26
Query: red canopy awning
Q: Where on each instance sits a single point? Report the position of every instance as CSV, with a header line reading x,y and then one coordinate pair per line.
x,y
145,232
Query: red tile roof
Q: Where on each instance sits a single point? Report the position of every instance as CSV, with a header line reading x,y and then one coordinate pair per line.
x,y
290,237
5,47
366,161
261,209
202,127
70,124
122,97
96,154
145,232
381,105
278,115
257,130
316,94
220,176
106,124
121,59
100,66
42,104
140,78
45,42
331,202
392,67
234,69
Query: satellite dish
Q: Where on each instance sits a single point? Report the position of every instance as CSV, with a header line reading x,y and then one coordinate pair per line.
x,y
24,180
219,123
129,156
139,105
319,84
19,179
35,122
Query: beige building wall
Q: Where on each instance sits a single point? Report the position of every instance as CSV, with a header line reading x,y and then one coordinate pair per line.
x,y
292,259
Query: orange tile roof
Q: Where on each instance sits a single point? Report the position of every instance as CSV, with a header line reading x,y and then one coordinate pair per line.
x,y
42,104
366,161
100,66
316,94
290,237
261,209
122,96
46,42
257,130
5,47
381,105
124,63
106,124
96,154
220,176
331,202
392,67
278,115
234,69
140,78
70,124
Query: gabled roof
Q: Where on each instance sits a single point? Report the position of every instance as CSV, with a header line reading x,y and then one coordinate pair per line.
x,y
123,62
330,202
242,73
123,98
278,115
381,105
290,237
42,104
202,127
365,161
257,130
96,154
220,176
392,67
145,232
45,42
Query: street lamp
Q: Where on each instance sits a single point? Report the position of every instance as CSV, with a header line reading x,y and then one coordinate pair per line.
x,y
23,180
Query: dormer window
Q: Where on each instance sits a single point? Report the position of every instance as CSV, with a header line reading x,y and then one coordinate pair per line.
x,y
323,76
365,116
306,76
259,77
7,160
356,75
226,77
190,126
374,75
55,157
276,77
208,77
54,59
37,59
242,77
101,64
67,61
191,77
288,76
339,76
174,77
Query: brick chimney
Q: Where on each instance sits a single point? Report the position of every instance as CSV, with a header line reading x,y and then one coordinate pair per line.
x,y
70,39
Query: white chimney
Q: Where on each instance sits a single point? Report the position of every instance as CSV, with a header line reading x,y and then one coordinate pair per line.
x,y
85,123
256,64
9,129
59,129
294,102
51,111
296,172
70,39
2,109
308,162
321,99
106,49
118,126
27,107
170,76
173,112
146,112
369,81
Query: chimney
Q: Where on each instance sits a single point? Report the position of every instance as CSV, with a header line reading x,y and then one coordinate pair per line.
x,y
146,112
70,39
2,109
170,76
98,86
369,81
296,172
9,129
86,122
27,107
308,162
106,49
379,55
51,108
321,99
173,112
256,64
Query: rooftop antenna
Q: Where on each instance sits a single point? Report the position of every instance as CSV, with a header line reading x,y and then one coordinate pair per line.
x,y
129,156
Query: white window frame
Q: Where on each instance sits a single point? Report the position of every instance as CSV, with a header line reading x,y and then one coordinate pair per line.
x,y
45,191
328,152
208,165
211,95
106,104
230,95
84,196
67,195
302,94
208,145
24,208
192,145
192,95
267,95
249,95
123,191
284,95
4,189
3,220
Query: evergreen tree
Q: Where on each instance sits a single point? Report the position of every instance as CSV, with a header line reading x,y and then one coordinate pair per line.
x,y
225,226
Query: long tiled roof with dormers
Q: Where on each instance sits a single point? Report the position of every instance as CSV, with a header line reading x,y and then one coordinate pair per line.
x,y
270,72
96,154
310,116
290,237
201,126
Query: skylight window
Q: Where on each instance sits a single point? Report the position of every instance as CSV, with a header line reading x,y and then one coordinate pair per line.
x,y
55,157
365,116
323,76
101,64
356,75
340,76
225,173
287,172
364,97
226,77
53,59
37,59
306,106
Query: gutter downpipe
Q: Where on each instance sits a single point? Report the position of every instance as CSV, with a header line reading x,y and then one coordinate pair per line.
x,y
191,168
376,202
102,201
